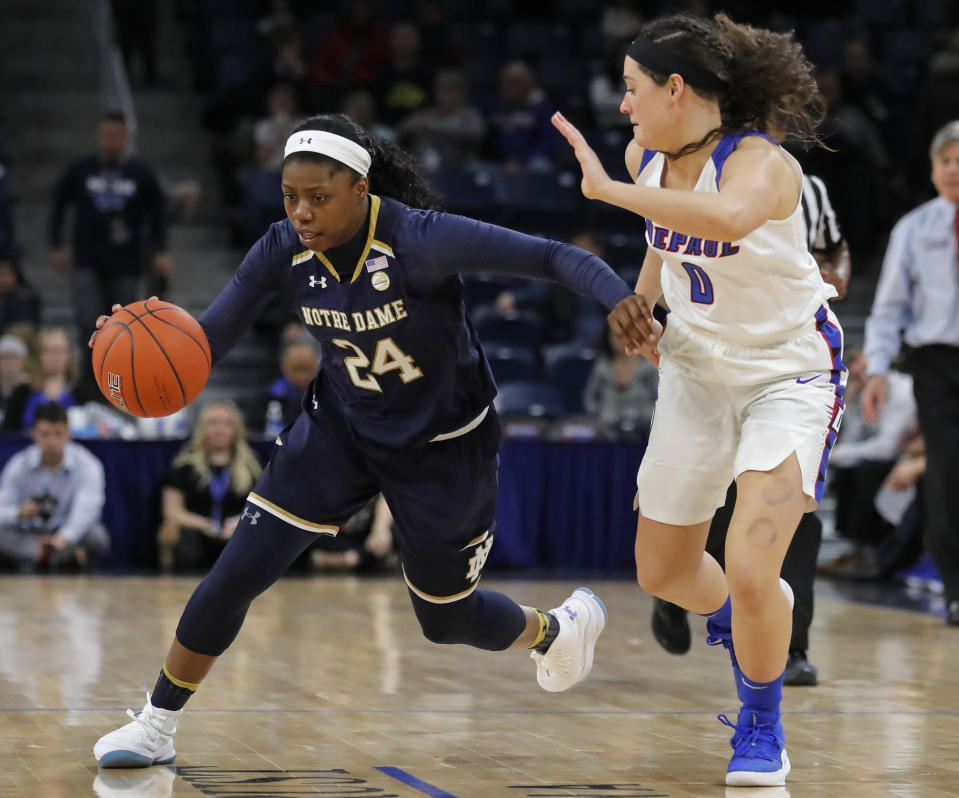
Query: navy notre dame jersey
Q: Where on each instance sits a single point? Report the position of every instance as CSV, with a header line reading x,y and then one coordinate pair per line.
x,y
401,361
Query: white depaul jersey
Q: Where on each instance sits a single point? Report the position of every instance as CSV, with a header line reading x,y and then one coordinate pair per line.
x,y
762,289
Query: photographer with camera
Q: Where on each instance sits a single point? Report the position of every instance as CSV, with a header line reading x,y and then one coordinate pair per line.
x,y
51,499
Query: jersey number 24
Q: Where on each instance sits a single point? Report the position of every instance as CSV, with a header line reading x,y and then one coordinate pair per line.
x,y
387,357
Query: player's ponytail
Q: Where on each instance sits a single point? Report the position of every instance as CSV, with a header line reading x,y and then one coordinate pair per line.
x,y
392,172
762,80
771,82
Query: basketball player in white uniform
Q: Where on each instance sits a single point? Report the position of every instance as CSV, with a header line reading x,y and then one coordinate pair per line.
x,y
751,375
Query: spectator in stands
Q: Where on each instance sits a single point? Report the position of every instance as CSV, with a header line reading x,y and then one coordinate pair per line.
x,y
606,88
8,235
54,377
175,426
521,135
270,132
364,543
861,461
19,303
288,64
865,85
361,108
448,134
432,18
403,85
277,16
553,303
900,503
351,56
379,542
135,24
621,391
917,301
119,212
51,499
620,17
298,365
14,382
295,332
936,105
206,488
857,163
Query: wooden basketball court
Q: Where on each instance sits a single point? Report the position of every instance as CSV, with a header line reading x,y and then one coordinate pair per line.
x,y
331,690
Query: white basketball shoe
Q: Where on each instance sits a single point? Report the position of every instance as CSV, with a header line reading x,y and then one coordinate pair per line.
x,y
569,659
146,740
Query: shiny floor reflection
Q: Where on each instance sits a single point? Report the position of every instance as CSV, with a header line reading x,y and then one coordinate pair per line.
x,y
331,690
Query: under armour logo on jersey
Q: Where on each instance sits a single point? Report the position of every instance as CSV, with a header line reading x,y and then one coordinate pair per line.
x,y
251,516
314,282
478,560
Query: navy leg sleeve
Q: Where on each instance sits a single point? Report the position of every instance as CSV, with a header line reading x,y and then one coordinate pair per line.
x,y
484,619
256,556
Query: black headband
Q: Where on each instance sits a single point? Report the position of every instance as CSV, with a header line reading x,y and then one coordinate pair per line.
x,y
658,58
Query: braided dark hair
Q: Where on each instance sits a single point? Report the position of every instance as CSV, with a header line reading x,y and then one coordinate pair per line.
x,y
393,170
769,80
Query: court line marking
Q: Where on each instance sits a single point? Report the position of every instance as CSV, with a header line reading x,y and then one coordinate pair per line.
x,y
643,713
416,783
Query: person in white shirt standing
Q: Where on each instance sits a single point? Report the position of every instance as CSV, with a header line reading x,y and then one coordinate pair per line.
x,y
51,498
917,303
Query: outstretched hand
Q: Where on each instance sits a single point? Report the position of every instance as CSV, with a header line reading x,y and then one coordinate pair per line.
x,y
594,175
635,328
101,320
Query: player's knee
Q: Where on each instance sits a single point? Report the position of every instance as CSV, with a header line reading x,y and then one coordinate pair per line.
x,y
654,575
648,579
236,582
441,633
441,623
749,588
483,619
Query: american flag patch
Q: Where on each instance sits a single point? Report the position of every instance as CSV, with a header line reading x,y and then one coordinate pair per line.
x,y
375,264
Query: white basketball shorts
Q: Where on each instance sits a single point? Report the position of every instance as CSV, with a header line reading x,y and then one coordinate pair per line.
x,y
723,409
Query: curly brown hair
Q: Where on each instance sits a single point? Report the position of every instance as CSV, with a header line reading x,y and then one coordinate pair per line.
x,y
770,83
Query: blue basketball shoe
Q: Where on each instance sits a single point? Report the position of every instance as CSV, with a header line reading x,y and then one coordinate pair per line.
x,y
759,745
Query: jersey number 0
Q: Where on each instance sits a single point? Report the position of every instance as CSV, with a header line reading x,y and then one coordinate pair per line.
x,y
701,287
387,357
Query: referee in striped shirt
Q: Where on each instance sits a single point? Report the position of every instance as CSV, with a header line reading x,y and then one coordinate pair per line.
x,y
669,622
823,237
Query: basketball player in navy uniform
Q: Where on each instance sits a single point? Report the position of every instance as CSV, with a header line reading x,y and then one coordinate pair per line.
x,y
751,375
401,405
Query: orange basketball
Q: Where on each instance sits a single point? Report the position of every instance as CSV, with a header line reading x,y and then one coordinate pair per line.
x,y
151,358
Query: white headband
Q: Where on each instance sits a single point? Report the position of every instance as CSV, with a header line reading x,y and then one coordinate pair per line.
x,y
337,147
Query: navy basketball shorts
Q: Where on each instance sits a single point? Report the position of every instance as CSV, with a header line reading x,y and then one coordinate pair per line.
x,y
442,495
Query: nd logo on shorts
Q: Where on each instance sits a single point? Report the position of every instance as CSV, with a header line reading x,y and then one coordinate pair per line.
x,y
475,565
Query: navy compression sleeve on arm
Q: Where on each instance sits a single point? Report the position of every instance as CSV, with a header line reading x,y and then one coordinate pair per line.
x,y
452,244
255,283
